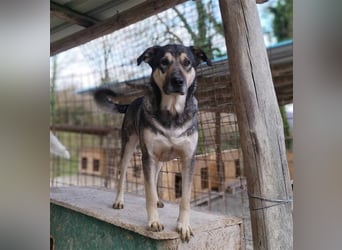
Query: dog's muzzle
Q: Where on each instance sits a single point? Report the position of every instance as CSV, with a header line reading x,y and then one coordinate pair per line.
x,y
176,85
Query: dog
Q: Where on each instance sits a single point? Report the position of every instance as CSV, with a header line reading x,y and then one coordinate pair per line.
x,y
164,122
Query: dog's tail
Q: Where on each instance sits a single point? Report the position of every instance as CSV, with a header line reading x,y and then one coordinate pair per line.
x,y
103,98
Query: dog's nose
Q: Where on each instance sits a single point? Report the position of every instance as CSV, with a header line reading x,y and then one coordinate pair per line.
x,y
177,81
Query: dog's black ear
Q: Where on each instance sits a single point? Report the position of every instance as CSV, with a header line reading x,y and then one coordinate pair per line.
x,y
148,55
200,55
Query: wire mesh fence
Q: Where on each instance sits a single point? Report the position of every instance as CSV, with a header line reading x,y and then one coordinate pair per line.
x,y
93,137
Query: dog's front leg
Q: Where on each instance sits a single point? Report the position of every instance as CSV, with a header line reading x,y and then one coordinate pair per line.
x,y
150,167
126,155
160,204
183,223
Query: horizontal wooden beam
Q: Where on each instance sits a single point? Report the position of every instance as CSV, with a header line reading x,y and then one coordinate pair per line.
x,y
116,22
84,130
71,16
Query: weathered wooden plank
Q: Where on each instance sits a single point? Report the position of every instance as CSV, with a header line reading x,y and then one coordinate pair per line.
x,y
83,218
84,130
260,126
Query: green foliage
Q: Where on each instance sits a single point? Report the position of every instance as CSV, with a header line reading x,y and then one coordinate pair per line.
x,y
282,22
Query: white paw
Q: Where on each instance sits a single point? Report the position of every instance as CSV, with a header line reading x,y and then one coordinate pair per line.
x,y
160,204
185,231
118,205
155,226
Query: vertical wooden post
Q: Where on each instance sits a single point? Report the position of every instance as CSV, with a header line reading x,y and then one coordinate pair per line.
x,y
219,161
260,126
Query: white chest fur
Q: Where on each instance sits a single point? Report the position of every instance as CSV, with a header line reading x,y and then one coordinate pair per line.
x,y
171,143
173,103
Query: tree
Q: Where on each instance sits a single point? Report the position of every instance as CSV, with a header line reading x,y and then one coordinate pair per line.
x,y
98,52
283,19
199,32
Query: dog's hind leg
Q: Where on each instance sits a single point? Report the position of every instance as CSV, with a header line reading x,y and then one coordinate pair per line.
x,y
128,150
150,168
183,223
160,204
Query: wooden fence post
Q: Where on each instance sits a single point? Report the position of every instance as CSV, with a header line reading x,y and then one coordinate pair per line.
x,y
260,127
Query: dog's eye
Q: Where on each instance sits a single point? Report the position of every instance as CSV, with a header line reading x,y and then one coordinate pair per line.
x,y
186,62
164,62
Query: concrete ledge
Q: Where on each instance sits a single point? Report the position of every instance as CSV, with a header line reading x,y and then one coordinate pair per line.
x,y
79,215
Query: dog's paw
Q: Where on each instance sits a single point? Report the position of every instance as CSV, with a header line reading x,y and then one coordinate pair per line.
x,y
184,231
156,226
160,204
118,205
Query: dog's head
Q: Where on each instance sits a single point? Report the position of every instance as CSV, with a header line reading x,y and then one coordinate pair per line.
x,y
173,66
